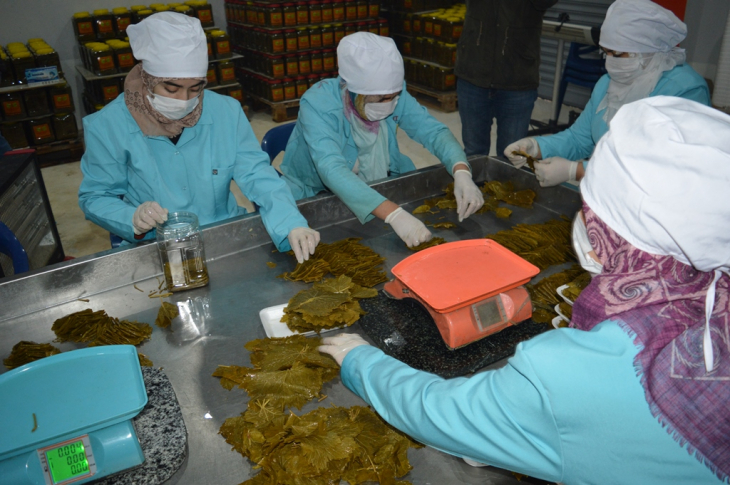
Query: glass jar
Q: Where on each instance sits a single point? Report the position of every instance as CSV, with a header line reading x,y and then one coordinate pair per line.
x,y
426,72
328,36
226,72
41,131
327,15
221,44
102,60
185,10
316,62
362,26
315,38
448,55
290,89
124,56
301,83
373,27
302,38
427,20
410,70
338,10
292,40
453,26
312,79
315,12
292,65
383,28
64,126
276,42
236,93
211,76
428,47
290,14
273,16
109,89
15,135
406,24
362,9
417,47
339,31
305,64
275,66
83,27
61,97
329,60
275,90
444,78
302,13
416,24
13,106
350,29
204,12
182,252
374,9
122,19
6,70
21,61
36,102
48,57
143,14
135,9
350,10
103,24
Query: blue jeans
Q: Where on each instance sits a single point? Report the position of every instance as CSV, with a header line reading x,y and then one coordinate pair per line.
x,y
478,106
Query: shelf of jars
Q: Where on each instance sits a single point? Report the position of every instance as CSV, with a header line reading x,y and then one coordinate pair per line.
x,y
286,15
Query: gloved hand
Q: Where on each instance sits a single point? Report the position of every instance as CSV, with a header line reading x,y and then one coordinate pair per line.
x,y
469,198
340,345
412,231
528,145
147,216
555,170
303,240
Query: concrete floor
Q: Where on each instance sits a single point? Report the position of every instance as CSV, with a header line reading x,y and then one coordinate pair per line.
x,y
81,237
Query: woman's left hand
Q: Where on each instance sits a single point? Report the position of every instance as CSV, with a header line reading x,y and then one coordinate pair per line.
x,y
303,241
469,198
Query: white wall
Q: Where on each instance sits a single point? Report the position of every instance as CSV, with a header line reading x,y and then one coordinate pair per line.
x,y
21,20
705,21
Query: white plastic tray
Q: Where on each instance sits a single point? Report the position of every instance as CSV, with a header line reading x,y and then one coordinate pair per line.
x,y
557,320
275,328
560,291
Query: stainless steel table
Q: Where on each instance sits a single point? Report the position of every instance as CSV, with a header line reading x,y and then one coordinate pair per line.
x,y
216,321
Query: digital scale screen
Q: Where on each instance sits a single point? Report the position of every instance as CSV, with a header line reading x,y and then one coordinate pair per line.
x,y
68,462
489,312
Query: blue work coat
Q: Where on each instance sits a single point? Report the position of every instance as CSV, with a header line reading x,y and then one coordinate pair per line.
x,y
194,175
578,141
321,152
568,407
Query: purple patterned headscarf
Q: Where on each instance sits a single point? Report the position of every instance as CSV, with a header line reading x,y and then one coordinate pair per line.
x,y
662,301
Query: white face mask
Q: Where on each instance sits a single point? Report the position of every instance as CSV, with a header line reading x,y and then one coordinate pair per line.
x,y
172,108
380,111
623,69
582,247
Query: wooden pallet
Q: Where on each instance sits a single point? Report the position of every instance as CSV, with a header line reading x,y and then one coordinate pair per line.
x,y
59,152
280,111
442,100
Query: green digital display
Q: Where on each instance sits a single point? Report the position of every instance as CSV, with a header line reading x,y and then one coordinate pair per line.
x,y
67,461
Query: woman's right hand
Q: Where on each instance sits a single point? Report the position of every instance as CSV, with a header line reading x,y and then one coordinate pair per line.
x,y
147,216
412,231
526,145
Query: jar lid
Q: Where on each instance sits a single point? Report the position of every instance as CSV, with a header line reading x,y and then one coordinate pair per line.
x,y
43,52
302,28
101,11
102,47
81,15
327,26
21,55
182,8
145,12
120,10
36,39
174,4
136,8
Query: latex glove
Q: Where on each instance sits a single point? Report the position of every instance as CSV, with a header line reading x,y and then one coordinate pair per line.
x,y
555,170
147,216
412,231
303,240
469,198
341,345
528,145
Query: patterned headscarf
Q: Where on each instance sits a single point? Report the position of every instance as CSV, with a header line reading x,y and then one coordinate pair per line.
x,y
137,86
662,301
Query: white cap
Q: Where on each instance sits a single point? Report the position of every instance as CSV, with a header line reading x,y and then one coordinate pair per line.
x,y
170,45
641,26
660,179
370,64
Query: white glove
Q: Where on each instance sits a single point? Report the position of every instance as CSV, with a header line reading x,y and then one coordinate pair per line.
x,y
528,145
340,345
469,198
303,240
412,231
555,170
147,216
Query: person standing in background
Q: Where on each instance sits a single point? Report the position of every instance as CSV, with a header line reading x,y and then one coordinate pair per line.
x,y
497,65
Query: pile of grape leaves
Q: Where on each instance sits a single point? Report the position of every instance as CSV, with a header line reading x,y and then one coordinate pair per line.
x,y
541,244
323,446
494,193
544,293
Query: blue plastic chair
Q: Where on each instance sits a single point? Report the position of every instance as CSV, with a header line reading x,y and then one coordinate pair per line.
x,y
579,70
10,246
275,139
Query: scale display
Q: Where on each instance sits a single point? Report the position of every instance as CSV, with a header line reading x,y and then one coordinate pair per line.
x,y
489,313
67,462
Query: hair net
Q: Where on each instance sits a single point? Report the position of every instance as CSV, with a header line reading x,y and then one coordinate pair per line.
x,y
660,179
370,64
170,45
641,26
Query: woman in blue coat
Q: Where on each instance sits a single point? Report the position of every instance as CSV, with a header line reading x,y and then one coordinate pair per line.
x,y
637,391
345,137
638,39
161,147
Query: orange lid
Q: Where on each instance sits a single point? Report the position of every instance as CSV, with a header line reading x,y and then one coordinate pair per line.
x,y
456,274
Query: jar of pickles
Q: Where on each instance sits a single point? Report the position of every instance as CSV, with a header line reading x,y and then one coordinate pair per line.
x,y
103,24
204,12
301,83
185,10
48,57
289,11
226,72
292,65
350,29
350,10
41,131
362,9
329,60
236,93
338,10
83,27
339,32
122,19
273,16
13,106
36,102
61,97
64,126
444,78
123,56
305,63
373,27
316,62
328,36
302,13
276,42
327,14
14,133
373,9
312,79
383,28
143,14
21,60
292,40
315,12
6,70
221,44
102,60
315,38
302,38
275,66
290,89
275,90
211,76
109,89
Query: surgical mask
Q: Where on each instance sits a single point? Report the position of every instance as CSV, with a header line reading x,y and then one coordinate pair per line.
x,y
172,108
582,246
623,69
380,111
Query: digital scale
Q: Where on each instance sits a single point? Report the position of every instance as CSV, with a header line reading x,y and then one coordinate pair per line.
x,y
67,418
471,289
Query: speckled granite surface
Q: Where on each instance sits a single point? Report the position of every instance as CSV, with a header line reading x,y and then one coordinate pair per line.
x,y
404,329
161,432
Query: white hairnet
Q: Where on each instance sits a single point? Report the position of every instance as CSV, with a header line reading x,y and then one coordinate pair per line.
x,y
170,45
660,179
370,64
641,26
